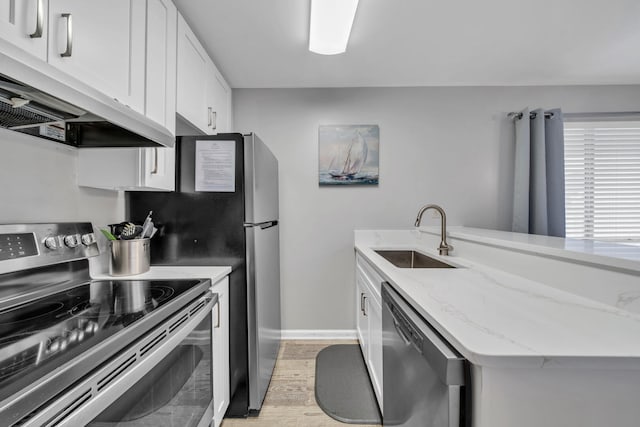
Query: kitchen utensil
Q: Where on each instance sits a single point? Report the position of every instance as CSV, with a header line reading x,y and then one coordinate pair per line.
x,y
147,220
147,229
108,234
118,229
130,231
127,231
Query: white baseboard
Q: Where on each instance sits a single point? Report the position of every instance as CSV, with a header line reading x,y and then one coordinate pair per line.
x,y
319,334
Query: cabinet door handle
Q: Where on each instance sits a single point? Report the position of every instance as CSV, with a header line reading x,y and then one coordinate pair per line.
x,y
361,302
217,323
155,162
209,110
214,120
69,49
39,20
364,306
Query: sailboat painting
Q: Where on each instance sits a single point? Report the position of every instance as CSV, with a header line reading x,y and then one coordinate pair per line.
x,y
348,154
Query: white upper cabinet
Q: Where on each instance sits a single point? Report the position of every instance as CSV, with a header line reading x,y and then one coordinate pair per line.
x,y
204,97
218,101
101,43
160,97
158,169
191,102
147,169
24,23
144,169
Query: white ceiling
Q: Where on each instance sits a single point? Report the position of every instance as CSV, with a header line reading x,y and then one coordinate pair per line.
x,y
264,43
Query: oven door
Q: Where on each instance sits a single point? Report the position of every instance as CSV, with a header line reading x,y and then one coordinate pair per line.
x,y
178,391
164,379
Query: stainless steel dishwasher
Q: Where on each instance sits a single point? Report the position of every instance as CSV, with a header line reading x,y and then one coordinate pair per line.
x,y
423,376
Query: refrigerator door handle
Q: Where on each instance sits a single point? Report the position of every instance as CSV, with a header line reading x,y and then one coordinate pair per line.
x,y
262,225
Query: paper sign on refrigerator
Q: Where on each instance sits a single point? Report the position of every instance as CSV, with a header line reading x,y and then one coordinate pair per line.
x,y
215,166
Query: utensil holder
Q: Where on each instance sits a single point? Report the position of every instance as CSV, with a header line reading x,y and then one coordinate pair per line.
x,y
129,257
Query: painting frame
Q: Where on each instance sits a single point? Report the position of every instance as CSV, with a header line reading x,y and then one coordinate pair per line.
x,y
348,155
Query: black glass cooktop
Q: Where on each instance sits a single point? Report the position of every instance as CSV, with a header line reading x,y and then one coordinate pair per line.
x,y
45,333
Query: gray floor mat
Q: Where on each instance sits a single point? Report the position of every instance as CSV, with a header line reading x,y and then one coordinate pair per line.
x,y
343,389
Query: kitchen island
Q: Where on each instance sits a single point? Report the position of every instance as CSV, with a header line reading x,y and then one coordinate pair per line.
x,y
539,323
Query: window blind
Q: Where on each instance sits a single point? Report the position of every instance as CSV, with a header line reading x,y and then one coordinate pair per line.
x,y
602,180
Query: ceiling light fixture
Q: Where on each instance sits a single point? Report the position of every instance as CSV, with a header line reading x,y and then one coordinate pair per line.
x,y
331,22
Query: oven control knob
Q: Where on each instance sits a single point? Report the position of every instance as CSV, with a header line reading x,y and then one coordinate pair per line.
x,y
91,327
54,346
51,243
73,336
57,344
71,240
88,239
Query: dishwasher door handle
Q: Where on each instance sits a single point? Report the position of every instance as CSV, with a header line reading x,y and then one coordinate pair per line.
x,y
403,335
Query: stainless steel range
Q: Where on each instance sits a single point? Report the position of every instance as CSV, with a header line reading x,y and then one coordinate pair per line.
x,y
74,351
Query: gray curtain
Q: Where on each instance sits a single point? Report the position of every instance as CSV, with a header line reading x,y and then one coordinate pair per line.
x,y
538,192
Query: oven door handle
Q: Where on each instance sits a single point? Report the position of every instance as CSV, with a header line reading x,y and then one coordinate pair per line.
x,y
216,325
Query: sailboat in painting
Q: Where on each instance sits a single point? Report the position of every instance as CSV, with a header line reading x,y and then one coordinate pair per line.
x,y
348,154
346,167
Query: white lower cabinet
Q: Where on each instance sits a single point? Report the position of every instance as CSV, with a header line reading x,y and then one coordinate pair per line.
x,y
221,385
148,169
374,356
362,323
369,322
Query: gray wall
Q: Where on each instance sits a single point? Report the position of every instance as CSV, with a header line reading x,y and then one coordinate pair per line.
x,y
38,184
450,146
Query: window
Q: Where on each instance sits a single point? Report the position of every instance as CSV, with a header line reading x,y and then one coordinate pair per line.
x,y
602,180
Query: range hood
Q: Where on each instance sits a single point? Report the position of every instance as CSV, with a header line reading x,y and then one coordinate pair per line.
x,y
40,100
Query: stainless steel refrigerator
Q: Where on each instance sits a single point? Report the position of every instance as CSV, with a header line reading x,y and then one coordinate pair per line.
x,y
225,212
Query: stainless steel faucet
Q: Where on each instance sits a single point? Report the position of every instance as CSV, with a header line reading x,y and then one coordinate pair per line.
x,y
444,248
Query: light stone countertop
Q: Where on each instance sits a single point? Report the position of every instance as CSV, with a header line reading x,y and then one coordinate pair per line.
x,y
603,254
172,272
498,319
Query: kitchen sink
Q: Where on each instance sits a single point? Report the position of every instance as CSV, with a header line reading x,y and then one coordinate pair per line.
x,y
411,259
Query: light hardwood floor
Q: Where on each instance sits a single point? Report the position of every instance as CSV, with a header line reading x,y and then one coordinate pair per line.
x,y
290,400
